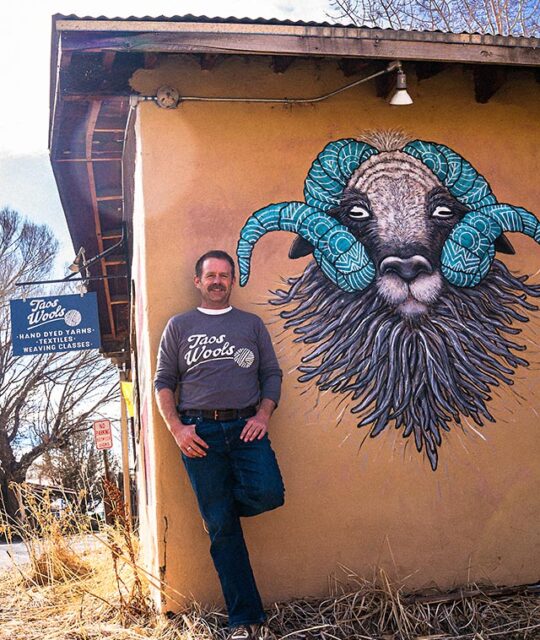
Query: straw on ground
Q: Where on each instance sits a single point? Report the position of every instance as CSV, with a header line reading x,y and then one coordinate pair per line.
x,y
71,593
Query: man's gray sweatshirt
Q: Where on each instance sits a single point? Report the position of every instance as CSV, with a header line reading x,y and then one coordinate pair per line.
x,y
223,361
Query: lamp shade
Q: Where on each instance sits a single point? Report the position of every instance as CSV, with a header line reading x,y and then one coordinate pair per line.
x,y
401,98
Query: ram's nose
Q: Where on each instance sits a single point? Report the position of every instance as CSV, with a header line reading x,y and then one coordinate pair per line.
x,y
406,268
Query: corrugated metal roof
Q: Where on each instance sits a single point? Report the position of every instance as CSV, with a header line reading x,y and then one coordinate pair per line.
x,y
277,22
207,19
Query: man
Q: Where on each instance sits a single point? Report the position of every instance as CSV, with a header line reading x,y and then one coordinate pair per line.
x,y
229,381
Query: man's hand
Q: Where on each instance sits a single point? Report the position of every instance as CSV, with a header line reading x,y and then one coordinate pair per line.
x,y
257,426
186,438
189,442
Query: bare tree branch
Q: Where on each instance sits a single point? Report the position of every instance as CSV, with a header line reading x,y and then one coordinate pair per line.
x,y
504,17
45,400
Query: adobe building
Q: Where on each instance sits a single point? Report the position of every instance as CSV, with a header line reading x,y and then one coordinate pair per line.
x,y
167,134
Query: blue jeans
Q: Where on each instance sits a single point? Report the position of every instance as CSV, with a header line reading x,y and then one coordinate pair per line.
x,y
234,479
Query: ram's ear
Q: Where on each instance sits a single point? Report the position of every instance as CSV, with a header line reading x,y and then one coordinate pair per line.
x,y
300,248
503,245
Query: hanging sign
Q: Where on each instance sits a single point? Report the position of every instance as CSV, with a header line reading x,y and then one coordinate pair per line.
x,y
103,434
54,323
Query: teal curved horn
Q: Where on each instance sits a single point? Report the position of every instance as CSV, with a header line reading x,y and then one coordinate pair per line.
x,y
458,176
469,250
341,257
331,171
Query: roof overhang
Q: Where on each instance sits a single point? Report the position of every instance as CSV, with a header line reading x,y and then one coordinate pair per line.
x,y
172,35
91,64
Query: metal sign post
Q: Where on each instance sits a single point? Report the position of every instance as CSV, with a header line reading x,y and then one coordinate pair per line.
x,y
104,441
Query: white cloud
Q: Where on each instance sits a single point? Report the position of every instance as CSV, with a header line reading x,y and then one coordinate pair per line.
x,y
25,40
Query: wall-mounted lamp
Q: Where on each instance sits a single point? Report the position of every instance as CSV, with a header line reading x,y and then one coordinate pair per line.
x,y
401,97
79,261
169,97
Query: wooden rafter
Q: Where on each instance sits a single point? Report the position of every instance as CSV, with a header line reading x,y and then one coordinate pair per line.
x,y
114,234
280,64
427,69
208,61
92,119
487,81
86,159
384,85
352,66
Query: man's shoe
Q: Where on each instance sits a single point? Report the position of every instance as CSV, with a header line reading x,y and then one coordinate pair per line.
x,y
248,632
242,632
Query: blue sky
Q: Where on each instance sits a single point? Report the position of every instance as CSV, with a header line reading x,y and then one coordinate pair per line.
x,y
26,179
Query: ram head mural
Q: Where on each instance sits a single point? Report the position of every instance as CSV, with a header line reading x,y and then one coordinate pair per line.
x,y
405,309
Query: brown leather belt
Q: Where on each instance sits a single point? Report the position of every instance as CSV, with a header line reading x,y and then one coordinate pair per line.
x,y
220,415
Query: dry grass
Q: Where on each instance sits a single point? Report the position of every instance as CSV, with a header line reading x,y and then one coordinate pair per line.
x,y
74,590
78,583
365,610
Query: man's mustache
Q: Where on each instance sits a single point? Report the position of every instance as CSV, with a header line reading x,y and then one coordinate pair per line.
x,y
216,287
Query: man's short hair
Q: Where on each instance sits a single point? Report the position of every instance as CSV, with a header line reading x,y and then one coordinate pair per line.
x,y
216,253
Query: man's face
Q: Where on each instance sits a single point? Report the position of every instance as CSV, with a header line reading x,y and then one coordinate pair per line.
x,y
215,284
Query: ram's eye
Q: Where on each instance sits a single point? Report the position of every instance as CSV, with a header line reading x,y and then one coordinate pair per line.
x,y
359,213
442,212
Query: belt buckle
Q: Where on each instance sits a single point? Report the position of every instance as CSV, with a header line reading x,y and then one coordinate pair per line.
x,y
216,413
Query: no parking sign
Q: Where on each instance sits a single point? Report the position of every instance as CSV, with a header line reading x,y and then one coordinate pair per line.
x,y
103,434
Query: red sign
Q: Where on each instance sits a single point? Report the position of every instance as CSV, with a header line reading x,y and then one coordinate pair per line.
x,y
103,434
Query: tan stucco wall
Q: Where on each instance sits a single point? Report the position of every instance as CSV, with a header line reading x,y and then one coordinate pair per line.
x,y
206,167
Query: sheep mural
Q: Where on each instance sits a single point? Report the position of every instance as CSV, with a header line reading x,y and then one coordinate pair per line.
x,y
404,309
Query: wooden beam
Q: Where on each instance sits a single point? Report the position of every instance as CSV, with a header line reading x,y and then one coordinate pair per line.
x,y
150,60
113,234
426,70
98,152
385,84
208,61
115,261
65,60
280,64
487,81
108,60
352,66
86,160
302,41
92,96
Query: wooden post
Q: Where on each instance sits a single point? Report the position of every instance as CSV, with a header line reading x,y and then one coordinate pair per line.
x,y
106,503
125,457
106,465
